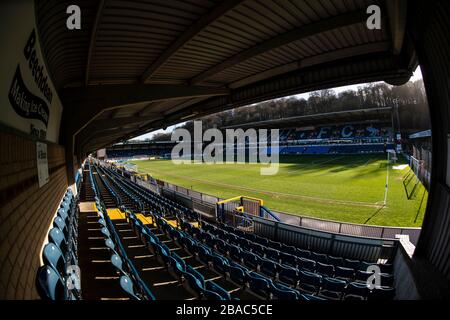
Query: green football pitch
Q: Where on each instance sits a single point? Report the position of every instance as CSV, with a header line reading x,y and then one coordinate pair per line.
x,y
348,188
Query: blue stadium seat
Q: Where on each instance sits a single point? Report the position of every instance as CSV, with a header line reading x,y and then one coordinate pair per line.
x,y
273,254
309,282
325,269
269,268
59,222
275,245
262,241
352,264
362,276
336,261
214,287
110,244
259,249
62,212
102,222
163,253
106,232
259,284
195,281
176,268
250,259
204,254
344,273
250,236
319,257
356,291
365,265
245,244
383,293
53,257
221,246
220,264
49,283
306,264
288,275
282,292
127,285
332,288
386,268
306,254
289,259
211,295
288,249
56,236
235,252
151,242
237,274
191,246
210,240
387,280
117,263
310,297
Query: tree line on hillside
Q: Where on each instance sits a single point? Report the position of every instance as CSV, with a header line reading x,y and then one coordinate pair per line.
x,y
410,99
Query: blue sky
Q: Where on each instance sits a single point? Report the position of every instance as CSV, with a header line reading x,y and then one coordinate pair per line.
x,y
416,76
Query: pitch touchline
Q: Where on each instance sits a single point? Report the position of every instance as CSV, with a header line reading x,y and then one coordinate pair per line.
x,y
318,199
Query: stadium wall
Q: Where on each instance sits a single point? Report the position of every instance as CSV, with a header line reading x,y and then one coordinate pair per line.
x,y
26,211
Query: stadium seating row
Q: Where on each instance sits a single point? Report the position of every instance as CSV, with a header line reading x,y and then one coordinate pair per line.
x,y
314,278
280,252
56,278
166,257
130,280
280,259
151,201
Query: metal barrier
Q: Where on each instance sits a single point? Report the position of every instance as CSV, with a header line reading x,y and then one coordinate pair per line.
x,y
368,249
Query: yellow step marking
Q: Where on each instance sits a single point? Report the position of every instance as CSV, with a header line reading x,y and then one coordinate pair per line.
x,y
144,219
173,223
195,224
115,214
87,207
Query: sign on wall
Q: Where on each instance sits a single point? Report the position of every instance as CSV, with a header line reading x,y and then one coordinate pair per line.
x,y
28,99
42,163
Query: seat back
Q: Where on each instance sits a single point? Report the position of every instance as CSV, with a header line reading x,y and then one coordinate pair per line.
x,y
49,283
197,275
210,285
288,275
110,244
358,289
117,263
306,264
259,284
60,223
345,273
127,285
53,257
325,269
352,264
220,264
310,278
237,274
56,236
282,292
334,285
383,293
106,232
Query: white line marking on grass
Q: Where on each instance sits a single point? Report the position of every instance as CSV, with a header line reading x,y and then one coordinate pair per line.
x,y
313,164
264,192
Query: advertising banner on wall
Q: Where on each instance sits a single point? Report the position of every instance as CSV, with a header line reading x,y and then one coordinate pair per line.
x,y
28,99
